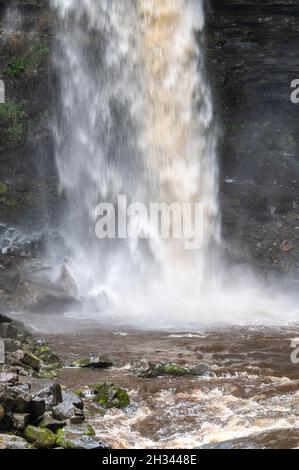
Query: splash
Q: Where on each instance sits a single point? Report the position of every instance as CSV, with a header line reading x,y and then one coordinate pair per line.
x,y
136,119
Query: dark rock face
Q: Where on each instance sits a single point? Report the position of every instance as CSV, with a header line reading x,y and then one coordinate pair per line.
x,y
27,168
252,58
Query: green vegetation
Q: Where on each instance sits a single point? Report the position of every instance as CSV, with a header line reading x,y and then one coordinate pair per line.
x,y
79,393
81,363
172,369
110,396
40,438
12,116
62,441
19,65
16,67
49,359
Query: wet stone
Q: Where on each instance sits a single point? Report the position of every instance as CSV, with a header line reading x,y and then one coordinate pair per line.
x,y
13,442
20,420
48,422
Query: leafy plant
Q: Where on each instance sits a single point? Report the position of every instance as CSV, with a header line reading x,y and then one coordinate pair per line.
x,y
16,68
19,65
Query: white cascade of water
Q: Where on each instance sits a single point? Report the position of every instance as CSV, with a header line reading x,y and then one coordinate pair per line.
x,y
135,118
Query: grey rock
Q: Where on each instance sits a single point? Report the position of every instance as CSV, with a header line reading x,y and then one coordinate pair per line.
x,y
13,442
69,439
78,417
71,397
88,443
9,378
4,319
36,409
143,369
51,393
15,399
64,410
48,422
6,423
28,359
11,345
20,420
100,362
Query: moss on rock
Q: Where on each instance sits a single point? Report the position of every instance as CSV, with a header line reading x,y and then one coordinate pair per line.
x,y
79,393
81,363
62,441
172,369
40,438
110,396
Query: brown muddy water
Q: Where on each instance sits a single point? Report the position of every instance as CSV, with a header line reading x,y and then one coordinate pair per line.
x,y
250,398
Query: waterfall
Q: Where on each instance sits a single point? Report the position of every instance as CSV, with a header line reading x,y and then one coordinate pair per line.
x,y
135,118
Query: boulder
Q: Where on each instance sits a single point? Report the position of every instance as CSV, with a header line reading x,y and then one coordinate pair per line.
x,y
15,399
78,417
13,442
9,378
70,407
50,392
48,358
20,420
36,409
6,423
11,345
143,369
40,438
68,395
101,362
64,410
146,369
48,422
68,440
110,396
28,359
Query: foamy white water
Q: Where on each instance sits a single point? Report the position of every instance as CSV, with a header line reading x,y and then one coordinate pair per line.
x,y
136,118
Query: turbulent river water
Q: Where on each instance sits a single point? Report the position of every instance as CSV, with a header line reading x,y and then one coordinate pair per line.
x,y
248,399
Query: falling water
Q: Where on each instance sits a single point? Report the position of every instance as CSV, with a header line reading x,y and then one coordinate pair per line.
x,y
136,118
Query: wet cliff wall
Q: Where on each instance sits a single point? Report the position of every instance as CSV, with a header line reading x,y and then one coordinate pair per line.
x,y
252,57
27,169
